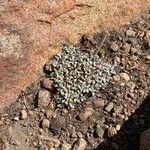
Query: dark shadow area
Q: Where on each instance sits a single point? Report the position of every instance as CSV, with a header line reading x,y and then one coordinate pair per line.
x,y
128,138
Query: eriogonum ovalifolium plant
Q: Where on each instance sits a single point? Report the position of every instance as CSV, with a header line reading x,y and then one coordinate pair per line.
x,y
78,74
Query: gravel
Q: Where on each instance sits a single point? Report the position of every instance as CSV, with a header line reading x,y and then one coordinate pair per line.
x,y
111,131
89,125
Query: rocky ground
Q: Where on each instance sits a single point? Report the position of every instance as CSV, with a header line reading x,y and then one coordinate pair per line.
x,y
112,120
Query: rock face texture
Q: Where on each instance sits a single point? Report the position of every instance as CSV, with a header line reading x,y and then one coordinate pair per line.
x,y
32,30
145,138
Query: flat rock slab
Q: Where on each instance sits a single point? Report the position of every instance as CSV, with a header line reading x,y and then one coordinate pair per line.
x,y
31,31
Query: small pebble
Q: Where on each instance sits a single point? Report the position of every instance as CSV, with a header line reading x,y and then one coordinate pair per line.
x,y
122,84
40,131
99,131
118,127
116,78
125,76
121,116
114,114
44,148
80,144
31,113
65,146
116,61
109,107
126,47
48,113
111,132
130,33
99,103
126,118
45,124
114,46
79,134
87,113
147,57
16,118
118,109
46,83
23,114
43,98
147,39
133,50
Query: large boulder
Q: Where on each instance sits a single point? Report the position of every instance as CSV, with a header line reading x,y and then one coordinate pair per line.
x,y
31,31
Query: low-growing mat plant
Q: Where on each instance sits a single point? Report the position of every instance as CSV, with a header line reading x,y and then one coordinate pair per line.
x,y
78,75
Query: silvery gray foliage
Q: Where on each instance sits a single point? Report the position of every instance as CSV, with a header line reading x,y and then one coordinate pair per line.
x,y
78,74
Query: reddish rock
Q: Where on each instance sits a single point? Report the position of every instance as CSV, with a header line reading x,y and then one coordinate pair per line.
x,y
26,34
32,30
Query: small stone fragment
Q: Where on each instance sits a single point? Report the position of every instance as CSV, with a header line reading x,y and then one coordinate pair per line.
x,y
147,39
65,146
99,131
147,57
87,113
118,109
121,116
45,124
43,148
16,118
79,134
48,113
43,98
46,83
116,61
130,33
114,46
125,76
23,114
133,50
80,144
109,107
116,78
126,47
111,132
133,41
118,127
99,103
